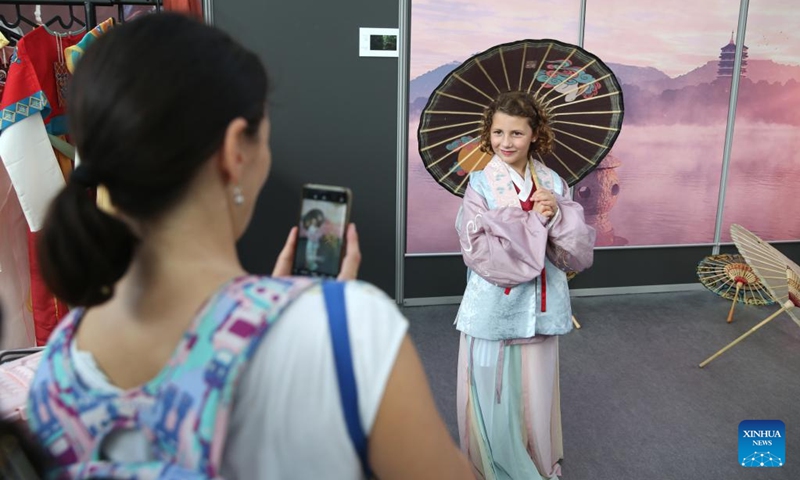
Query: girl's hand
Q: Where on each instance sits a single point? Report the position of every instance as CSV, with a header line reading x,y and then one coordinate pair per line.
x,y
545,203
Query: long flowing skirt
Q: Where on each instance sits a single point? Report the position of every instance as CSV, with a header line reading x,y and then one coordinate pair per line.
x,y
509,408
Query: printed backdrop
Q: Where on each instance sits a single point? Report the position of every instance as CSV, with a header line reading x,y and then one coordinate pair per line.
x,y
660,185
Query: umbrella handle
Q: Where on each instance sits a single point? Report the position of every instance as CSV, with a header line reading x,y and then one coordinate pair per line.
x,y
786,307
535,179
539,187
575,322
735,299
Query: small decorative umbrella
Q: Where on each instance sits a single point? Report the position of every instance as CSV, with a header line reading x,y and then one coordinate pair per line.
x,y
730,277
579,92
780,275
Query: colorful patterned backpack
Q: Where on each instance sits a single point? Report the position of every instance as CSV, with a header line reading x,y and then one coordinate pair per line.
x,y
183,412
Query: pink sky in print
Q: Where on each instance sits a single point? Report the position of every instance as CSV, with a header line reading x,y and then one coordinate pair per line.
x,y
443,31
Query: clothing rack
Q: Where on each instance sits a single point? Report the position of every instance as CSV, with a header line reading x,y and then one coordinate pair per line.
x,y
89,8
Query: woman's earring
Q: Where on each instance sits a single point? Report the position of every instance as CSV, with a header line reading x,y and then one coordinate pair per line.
x,y
238,198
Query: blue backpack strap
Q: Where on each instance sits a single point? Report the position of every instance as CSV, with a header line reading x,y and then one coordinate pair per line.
x,y
348,392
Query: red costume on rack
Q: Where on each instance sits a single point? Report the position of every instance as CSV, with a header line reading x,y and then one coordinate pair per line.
x,y
193,8
33,106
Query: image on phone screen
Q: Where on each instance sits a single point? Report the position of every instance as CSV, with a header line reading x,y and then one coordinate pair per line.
x,y
323,217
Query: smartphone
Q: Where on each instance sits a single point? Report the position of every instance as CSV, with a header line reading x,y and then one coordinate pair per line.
x,y
324,216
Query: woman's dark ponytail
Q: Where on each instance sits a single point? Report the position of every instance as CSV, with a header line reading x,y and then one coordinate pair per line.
x,y
83,250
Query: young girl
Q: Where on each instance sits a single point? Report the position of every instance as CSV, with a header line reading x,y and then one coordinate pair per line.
x,y
518,235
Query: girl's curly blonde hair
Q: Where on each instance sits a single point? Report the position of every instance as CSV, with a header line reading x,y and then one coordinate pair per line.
x,y
519,104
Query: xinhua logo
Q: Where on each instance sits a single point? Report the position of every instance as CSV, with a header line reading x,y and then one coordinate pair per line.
x,y
762,443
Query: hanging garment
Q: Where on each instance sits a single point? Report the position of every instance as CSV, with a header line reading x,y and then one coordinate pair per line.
x,y
193,8
75,52
15,277
15,381
33,106
4,63
14,274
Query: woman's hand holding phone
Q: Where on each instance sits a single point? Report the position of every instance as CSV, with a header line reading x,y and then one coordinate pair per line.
x,y
352,255
350,263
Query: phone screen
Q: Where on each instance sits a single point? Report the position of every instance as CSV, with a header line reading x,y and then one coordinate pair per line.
x,y
323,218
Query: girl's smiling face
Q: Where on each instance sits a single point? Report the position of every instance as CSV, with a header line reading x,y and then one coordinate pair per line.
x,y
511,138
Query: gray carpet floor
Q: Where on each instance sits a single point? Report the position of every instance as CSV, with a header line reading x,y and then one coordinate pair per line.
x,y
634,403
